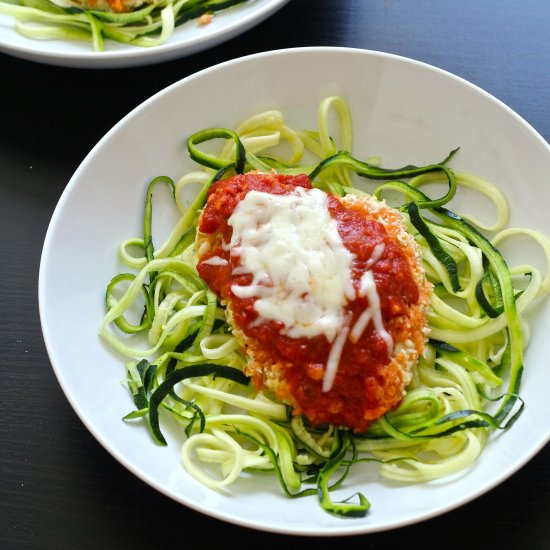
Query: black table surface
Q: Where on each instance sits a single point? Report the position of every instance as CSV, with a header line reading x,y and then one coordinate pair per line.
x,y
59,488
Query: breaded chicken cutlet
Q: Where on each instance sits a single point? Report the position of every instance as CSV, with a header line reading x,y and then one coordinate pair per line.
x,y
325,294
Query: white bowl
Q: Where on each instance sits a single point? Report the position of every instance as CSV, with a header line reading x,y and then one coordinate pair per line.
x,y
404,111
187,39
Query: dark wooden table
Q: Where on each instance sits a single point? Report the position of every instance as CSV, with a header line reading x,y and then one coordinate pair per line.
x,y
58,487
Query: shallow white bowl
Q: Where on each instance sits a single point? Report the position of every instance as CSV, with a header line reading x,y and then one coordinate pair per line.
x,y
187,39
404,111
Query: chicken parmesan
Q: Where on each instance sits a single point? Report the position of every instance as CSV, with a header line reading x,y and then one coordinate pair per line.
x,y
325,294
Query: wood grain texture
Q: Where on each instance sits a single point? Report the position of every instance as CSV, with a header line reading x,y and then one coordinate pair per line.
x,y
58,487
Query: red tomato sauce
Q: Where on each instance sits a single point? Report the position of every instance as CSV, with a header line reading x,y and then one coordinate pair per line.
x,y
356,387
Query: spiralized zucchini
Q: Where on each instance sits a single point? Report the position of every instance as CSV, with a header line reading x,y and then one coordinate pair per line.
x,y
464,389
150,24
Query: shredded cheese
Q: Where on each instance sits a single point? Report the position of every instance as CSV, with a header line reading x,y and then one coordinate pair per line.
x,y
373,312
301,270
334,359
215,260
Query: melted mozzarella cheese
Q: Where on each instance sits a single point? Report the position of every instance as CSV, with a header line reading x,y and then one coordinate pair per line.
x,y
377,252
373,312
215,260
334,359
301,270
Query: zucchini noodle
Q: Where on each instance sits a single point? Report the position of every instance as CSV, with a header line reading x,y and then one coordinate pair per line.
x,y
148,24
185,365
